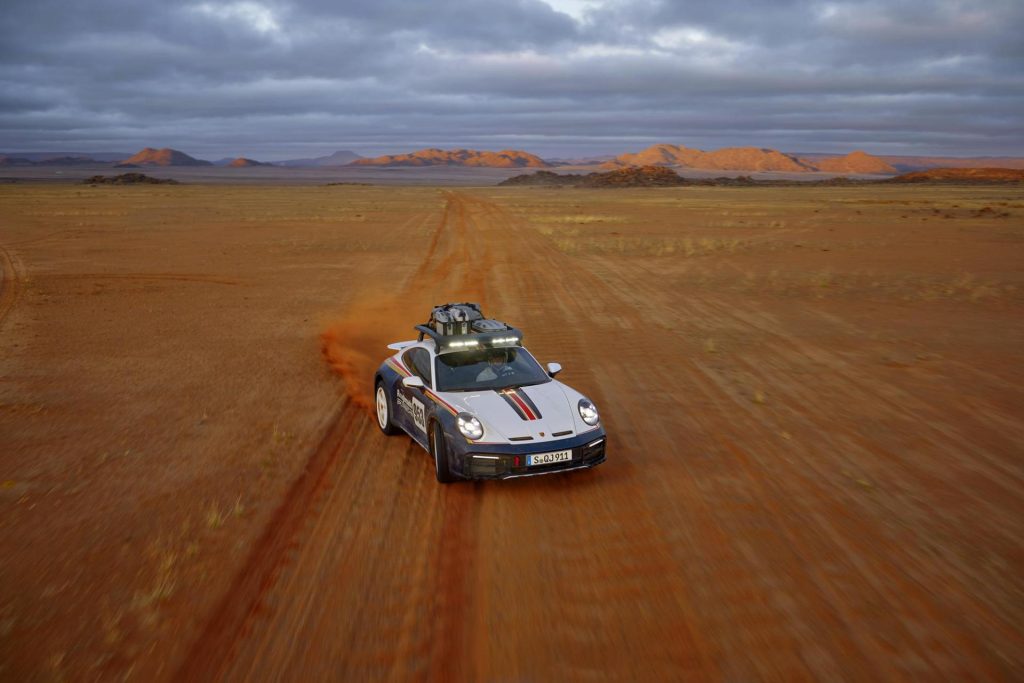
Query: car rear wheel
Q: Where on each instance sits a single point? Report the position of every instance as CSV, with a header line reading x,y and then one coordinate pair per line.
x,y
439,449
384,410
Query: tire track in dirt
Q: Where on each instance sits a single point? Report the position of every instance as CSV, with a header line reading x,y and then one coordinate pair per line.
x,y
215,644
637,345
11,283
558,304
357,488
180,277
849,380
626,346
840,535
445,259
856,383
243,601
788,539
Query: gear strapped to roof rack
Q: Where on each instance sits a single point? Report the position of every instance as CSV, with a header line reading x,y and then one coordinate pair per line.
x,y
449,319
462,327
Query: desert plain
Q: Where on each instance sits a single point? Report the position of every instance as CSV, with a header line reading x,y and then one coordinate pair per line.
x,y
813,397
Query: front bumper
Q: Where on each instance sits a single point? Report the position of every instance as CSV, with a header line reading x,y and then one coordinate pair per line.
x,y
509,461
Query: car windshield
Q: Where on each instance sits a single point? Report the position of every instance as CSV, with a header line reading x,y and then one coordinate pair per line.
x,y
488,369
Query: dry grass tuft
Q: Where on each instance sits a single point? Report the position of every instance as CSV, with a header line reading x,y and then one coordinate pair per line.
x,y
215,516
163,584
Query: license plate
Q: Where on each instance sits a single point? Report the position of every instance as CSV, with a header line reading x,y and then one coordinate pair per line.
x,y
548,458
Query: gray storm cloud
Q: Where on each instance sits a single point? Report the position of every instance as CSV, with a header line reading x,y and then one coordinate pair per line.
x,y
277,79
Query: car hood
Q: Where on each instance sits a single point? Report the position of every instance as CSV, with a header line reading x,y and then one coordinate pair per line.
x,y
538,411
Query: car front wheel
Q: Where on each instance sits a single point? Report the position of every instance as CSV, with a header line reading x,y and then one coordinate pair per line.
x,y
384,410
439,449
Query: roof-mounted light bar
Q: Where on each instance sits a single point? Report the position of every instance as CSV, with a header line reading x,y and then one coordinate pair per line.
x,y
468,342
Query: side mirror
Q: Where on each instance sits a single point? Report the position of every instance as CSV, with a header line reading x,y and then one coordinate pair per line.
x,y
413,382
554,369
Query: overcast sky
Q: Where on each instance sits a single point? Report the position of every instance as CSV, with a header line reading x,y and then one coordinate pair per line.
x,y
278,79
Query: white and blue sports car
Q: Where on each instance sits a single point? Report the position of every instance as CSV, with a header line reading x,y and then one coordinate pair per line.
x,y
481,405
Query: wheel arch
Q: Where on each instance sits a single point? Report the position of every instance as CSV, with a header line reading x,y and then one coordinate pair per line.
x,y
431,421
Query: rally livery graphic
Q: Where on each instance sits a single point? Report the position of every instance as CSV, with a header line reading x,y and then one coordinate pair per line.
x,y
481,405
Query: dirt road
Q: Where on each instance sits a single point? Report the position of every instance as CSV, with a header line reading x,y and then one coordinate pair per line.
x,y
729,535
813,400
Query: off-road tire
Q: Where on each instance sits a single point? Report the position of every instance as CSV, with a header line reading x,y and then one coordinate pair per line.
x,y
439,451
383,410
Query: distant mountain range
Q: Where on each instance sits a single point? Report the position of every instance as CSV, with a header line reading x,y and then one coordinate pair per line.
x,y
87,157
162,157
580,161
854,162
507,158
339,158
242,162
727,159
47,160
749,159
917,163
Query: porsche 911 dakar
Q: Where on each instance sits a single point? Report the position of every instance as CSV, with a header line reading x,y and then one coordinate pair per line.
x,y
468,392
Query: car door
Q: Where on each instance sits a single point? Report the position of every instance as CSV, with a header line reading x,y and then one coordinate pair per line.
x,y
413,402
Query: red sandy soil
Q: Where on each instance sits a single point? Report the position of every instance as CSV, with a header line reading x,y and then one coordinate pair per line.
x,y
813,399
508,158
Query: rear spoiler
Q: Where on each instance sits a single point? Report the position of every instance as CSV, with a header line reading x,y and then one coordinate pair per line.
x,y
470,342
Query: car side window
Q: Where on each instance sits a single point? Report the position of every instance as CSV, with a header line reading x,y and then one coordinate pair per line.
x,y
418,362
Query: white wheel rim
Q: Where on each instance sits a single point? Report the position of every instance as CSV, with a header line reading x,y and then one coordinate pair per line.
x,y
382,408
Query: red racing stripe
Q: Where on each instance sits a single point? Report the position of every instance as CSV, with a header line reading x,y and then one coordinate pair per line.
x,y
523,394
514,395
507,397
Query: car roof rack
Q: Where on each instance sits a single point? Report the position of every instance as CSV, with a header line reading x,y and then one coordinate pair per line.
x,y
462,326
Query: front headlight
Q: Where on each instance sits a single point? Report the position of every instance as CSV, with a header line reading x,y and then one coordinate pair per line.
x,y
469,426
588,411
